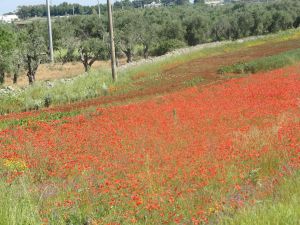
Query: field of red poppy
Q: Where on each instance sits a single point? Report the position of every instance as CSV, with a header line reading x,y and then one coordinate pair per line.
x,y
187,157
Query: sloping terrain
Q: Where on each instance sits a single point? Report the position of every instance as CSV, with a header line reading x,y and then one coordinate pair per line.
x,y
165,153
178,75
184,157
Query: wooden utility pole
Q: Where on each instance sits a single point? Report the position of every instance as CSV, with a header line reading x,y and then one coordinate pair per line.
x,y
99,9
112,42
50,32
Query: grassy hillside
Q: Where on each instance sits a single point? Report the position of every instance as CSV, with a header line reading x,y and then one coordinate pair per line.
x,y
100,84
194,156
220,153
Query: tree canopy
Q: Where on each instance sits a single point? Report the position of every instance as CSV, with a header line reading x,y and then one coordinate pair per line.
x,y
139,32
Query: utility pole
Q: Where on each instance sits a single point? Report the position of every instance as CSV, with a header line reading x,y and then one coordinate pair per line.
x,y
112,42
99,9
50,32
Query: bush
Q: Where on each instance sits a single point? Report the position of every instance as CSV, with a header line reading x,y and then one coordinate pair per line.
x,y
167,46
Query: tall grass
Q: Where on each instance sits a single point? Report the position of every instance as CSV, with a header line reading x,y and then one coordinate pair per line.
x,y
18,205
44,117
283,208
264,64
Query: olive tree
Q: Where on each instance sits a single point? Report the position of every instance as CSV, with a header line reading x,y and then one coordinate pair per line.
x,y
197,30
35,50
91,50
127,33
91,40
148,32
18,54
7,46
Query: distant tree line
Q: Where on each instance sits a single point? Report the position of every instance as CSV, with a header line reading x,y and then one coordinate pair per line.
x,y
63,9
29,11
139,33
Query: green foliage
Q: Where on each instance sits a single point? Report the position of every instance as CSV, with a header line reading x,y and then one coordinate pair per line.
x,y
44,117
91,50
167,46
35,50
221,29
193,82
263,64
146,38
196,30
7,46
199,1
27,11
127,33
62,30
172,29
87,26
81,38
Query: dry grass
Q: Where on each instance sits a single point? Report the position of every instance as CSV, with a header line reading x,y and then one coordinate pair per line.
x,y
57,71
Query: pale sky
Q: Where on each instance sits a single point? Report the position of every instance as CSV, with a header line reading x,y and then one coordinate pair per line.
x,y
11,5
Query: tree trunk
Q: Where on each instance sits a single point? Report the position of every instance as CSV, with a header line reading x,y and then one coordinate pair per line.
x,y
85,61
15,79
146,51
30,78
129,56
117,62
32,68
2,77
29,73
16,74
86,67
92,62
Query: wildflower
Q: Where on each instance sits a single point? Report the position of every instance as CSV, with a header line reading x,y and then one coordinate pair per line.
x,y
15,165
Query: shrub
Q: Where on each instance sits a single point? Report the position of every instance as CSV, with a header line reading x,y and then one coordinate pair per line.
x,y
167,46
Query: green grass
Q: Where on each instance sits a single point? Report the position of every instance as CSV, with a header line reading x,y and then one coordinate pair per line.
x,y
193,82
283,208
36,96
93,85
21,204
264,64
42,117
18,205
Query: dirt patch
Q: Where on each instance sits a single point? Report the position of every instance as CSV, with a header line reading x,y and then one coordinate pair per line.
x,y
175,76
58,71
207,67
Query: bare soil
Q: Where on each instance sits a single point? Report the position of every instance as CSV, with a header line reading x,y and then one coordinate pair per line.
x,y
57,71
207,67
